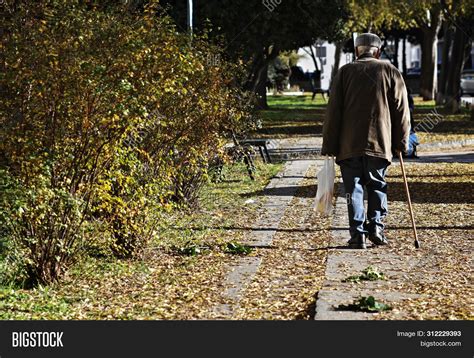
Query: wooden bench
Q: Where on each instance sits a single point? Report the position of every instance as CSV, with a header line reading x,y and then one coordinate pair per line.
x,y
262,147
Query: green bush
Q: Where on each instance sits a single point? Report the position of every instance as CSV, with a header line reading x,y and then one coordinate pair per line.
x,y
108,117
45,223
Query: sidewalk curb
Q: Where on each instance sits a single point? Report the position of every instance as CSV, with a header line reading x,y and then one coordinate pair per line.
x,y
446,145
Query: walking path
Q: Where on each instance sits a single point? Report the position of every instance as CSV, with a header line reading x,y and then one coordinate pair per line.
x,y
343,262
295,148
243,270
400,262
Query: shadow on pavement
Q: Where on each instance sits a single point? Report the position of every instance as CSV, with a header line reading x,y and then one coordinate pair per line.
x,y
421,192
431,192
444,158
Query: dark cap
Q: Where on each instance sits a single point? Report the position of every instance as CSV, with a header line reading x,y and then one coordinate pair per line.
x,y
368,39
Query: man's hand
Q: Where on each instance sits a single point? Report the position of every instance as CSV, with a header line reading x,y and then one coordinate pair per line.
x,y
396,152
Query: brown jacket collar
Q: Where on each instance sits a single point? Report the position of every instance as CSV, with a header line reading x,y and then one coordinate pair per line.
x,y
367,55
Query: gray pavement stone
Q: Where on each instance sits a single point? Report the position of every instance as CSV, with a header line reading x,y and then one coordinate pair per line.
x,y
343,262
278,194
447,157
295,148
240,275
445,145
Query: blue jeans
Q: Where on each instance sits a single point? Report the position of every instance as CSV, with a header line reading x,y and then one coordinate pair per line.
x,y
369,172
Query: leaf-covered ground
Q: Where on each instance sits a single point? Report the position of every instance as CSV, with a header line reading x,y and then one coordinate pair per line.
x,y
168,284
443,203
292,269
441,126
164,284
432,282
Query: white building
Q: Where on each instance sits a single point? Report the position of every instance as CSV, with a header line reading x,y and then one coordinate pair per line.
x,y
325,52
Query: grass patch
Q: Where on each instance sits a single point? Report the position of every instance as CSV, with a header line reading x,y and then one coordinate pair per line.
x,y
448,127
296,102
419,103
222,206
289,116
437,124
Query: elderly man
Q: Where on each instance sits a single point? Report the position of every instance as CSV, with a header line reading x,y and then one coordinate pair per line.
x,y
368,119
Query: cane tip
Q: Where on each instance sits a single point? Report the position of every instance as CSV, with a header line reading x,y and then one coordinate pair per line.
x,y
417,244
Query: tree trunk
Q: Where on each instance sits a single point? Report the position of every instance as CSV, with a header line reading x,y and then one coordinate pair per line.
x,y
445,60
460,52
337,60
429,56
260,87
404,56
258,75
313,56
395,51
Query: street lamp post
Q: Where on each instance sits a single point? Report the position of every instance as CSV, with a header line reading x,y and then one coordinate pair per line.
x,y
190,16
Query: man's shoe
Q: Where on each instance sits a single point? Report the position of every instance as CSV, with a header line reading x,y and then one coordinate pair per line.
x,y
357,242
377,237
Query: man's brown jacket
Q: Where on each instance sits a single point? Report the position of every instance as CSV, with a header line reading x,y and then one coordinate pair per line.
x,y
368,111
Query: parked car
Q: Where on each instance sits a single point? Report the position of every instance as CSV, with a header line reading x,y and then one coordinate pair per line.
x,y
412,79
467,82
414,71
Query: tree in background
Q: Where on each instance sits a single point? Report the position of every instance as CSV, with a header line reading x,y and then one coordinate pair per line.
x,y
279,70
454,17
256,33
429,19
457,35
399,18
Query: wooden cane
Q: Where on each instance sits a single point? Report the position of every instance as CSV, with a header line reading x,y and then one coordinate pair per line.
x,y
417,243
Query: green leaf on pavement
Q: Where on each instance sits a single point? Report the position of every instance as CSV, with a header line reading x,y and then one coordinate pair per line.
x,y
365,304
368,274
237,249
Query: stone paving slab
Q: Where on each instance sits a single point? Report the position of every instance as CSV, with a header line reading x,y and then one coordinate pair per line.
x,y
295,148
278,194
343,262
240,275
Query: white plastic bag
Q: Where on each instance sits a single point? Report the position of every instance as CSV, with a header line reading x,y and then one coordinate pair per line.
x,y
325,187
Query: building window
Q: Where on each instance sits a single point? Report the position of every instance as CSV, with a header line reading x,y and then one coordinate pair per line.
x,y
321,51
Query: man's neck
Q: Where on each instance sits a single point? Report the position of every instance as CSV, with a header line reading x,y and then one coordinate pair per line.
x,y
365,55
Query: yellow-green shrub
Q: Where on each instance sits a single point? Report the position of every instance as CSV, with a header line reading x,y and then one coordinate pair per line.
x,y
107,117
